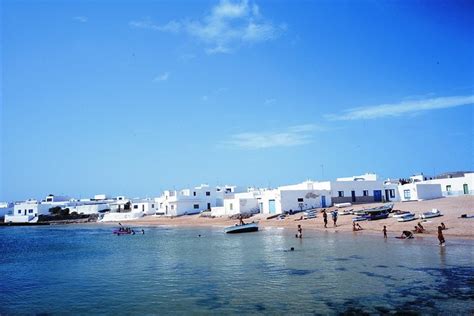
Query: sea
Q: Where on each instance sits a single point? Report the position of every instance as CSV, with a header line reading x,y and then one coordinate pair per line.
x,y
85,269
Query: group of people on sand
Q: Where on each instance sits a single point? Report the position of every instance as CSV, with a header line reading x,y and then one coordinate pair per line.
x,y
356,227
334,215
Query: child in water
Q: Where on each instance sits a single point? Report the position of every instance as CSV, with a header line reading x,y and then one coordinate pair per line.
x,y
385,232
440,236
300,232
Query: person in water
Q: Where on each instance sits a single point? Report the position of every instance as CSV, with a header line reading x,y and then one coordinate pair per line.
x,y
407,234
143,232
354,227
440,236
300,232
384,232
325,217
443,227
418,230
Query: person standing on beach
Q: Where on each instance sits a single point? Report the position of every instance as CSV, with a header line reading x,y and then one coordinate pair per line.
x,y
385,232
440,236
325,217
334,218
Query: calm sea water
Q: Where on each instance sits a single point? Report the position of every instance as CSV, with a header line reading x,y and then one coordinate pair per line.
x,y
87,270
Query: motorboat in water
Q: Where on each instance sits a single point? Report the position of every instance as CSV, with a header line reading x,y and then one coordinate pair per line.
x,y
242,228
430,214
406,217
123,232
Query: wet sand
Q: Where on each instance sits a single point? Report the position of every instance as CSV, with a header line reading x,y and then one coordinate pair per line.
x,y
451,208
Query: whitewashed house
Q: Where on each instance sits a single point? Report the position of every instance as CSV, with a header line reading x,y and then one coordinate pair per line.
x,y
5,209
238,203
193,201
27,211
146,206
298,197
419,191
454,183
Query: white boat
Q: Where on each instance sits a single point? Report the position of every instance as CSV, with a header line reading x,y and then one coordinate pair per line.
x,y
245,228
346,212
309,214
339,205
433,213
406,217
400,214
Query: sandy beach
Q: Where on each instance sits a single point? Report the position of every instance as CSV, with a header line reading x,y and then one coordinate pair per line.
x,y
451,208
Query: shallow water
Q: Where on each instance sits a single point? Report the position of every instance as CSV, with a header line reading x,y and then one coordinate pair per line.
x,y
87,270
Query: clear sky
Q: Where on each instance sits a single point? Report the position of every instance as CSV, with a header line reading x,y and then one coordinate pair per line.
x,y
134,97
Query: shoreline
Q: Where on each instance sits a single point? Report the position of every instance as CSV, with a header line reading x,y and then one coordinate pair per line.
x,y
451,208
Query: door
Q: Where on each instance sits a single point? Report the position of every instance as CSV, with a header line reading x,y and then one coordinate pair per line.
x,y
208,206
465,188
387,195
260,207
271,206
353,195
378,195
323,201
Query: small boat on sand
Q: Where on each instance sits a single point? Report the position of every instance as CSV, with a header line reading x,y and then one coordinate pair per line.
x,y
242,228
398,214
346,212
430,214
406,217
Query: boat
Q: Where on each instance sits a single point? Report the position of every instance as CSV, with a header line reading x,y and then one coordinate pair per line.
x,y
430,214
373,215
122,232
400,214
243,228
309,214
406,217
386,208
346,212
339,205
360,218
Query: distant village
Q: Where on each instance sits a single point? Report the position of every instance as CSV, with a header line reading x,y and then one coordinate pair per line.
x,y
230,200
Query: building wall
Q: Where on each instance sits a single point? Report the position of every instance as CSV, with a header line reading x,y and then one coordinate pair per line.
x,y
419,191
358,187
286,200
457,184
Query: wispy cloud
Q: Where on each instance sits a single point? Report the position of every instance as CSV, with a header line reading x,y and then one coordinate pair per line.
x,y
291,136
162,77
227,26
82,19
401,108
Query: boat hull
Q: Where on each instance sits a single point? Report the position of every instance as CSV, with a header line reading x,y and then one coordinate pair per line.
x,y
237,229
406,218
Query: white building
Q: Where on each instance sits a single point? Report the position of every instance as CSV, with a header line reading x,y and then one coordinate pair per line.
x,y
146,206
419,191
27,212
5,209
298,197
455,183
238,203
193,201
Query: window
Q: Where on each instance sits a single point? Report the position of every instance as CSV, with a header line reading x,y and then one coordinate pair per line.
x,y
172,207
135,206
208,193
49,199
196,206
340,193
366,192
30,211
300,199
194,193
392,193
153,206
407,194
231,206
19,211
448,188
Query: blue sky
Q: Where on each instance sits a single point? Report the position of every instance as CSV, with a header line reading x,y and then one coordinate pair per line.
x,y
134,97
